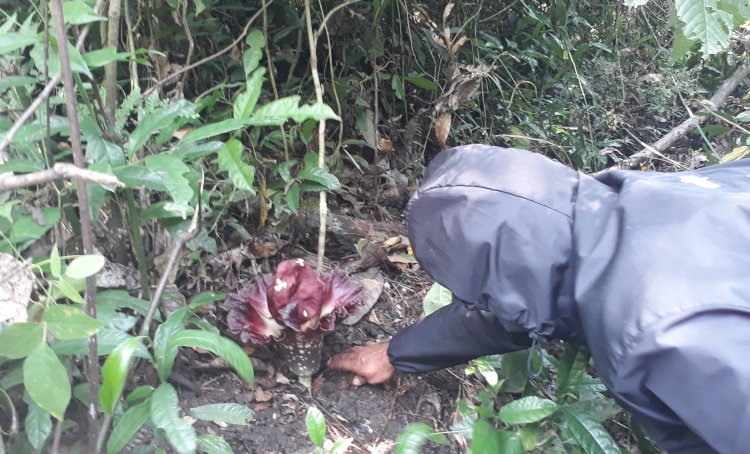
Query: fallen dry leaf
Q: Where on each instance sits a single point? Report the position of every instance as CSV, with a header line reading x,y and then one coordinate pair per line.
x,y
443,128
386,145
261,395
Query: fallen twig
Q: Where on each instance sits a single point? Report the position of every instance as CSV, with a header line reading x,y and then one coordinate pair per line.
x,y
60,171
681,130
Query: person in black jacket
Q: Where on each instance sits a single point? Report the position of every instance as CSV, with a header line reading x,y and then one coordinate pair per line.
x,y
648,270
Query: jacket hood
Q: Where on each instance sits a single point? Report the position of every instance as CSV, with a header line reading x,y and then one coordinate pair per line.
x,y
494,226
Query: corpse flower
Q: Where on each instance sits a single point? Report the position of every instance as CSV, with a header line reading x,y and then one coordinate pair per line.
x,y
294,307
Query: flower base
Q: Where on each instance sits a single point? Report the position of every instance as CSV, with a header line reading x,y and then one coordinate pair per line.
x,y
302,353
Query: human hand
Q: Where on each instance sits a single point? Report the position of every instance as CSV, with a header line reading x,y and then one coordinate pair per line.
x,y
369,363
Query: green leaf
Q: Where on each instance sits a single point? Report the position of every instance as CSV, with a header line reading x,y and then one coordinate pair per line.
x,y
107,339
37,425
66,322
55,264
155,122
20,339
526,410
46,380
110,300
276,112
213,129
230,161
251,58
599,410
316,426
320,176
225,348
201,299
486,438
77,12
705,22
15,81
164,354
84,266
397,84
114,372
224,413
21,165
422,82
592,436
26,229
738,153
100,57
70,291
487,371
246,101
133,176
165,415
139,395
315,112
414,437
172,170
16,40
211,444
435,298
127,426
572,367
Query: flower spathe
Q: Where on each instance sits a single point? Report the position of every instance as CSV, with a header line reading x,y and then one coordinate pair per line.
x,y
296,298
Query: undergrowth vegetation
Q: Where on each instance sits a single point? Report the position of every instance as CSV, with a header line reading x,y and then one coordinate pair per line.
x,y
203,122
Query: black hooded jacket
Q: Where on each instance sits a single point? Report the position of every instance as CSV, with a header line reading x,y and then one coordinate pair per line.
x,y
649,270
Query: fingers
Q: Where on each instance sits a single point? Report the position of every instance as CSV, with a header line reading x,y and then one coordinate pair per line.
x,y
348,361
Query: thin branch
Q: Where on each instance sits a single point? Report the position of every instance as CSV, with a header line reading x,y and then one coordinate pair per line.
x,y
681,130
60,171
84,208
210,57
323,209
46,92
179,244
110,69
272,77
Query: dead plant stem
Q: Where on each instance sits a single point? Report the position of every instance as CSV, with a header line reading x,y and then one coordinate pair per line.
x,y
110,69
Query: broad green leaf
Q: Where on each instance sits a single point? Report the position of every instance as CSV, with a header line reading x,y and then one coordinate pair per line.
x,y
16,40
37,425
155,122
77,12
26,229
705,22
514,371
201,299
84,266
77,63
127,426
110,300
486,439
139,394
46,380
55,264
251,58
743,117
220,346
527,409
21,165
163,210
487,371
321,177
164,354
340,446
284,108
230,161
224,413
592,436
133,176
572,367
414,436
213,129
680,44
100,57
315,112
66,322
599,410
70,291
172,170
107,340
316,426
435,298
397,84
211,444
246,101
15,81
20,339
13,376
114,372
422,82
165,415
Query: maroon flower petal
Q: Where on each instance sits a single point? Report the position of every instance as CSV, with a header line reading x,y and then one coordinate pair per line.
x,y
249,315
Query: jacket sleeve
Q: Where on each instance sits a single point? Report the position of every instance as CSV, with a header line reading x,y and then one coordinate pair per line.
x,y
701,374
453,335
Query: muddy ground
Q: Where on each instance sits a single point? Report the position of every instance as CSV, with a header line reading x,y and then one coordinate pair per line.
x,y
373,416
